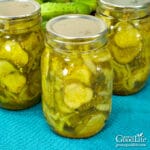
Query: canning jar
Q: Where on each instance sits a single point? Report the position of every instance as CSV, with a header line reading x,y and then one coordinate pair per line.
x,y
76,75
21,45
129,35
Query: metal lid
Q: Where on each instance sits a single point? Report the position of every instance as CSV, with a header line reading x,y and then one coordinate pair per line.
x,y
126,3
18,8
76,27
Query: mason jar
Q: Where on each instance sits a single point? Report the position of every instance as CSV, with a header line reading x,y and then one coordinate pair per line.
x,y
76,75
21,45
129,35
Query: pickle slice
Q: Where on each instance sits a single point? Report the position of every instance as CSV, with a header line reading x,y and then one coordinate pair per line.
x,y
14,82
12,51
60,103
127,35
6,68
126,55
95,124
82,74
127,43
89,63
137,76
76,95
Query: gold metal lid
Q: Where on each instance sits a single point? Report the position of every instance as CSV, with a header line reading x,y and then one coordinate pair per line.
x,y
76,27
18,8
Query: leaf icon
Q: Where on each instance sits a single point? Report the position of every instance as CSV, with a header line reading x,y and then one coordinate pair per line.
x,y
140,134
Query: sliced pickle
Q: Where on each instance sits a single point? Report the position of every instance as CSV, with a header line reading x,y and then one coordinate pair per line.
x,y
31,41
104,107
137,76
127,36
101,56
62,107
76,95
121,72
82,74
12,51
126,55
6,68
14,82
95,124
56,66
89,63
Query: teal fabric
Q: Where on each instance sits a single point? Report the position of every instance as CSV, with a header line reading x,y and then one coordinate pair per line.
x,y
28,130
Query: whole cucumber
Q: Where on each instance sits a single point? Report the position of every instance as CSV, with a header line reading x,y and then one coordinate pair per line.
x,y
39,1
50,10
58,1
91,3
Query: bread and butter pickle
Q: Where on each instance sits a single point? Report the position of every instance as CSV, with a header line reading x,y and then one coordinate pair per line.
x,y
76,76
21,45
129,32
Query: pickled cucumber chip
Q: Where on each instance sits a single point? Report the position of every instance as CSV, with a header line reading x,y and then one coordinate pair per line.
x,y
31,41
14,82
137,76
12,51
127,36
6,68
60,103
76,95
101,56
82,74
126,55
95,124
89,63
57,66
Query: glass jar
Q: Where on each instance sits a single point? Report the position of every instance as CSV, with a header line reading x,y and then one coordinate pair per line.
x,y
129,36
21,45
76,75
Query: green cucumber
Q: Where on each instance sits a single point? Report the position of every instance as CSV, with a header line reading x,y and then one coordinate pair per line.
x,y
39,1
91,3
58,1
50,10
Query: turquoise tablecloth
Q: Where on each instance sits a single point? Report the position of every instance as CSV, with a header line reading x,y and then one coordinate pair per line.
x,y
130,119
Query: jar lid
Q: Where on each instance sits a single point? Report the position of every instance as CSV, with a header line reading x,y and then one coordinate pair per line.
x,y
18,8
127,3
133,8
76,26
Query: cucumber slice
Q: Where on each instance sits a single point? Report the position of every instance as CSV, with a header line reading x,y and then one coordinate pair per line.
x,y
14,82
6,68
12,51
126,55
82,74
76,95
95,124
127,36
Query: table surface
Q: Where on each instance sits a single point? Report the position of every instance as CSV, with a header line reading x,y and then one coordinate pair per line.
x,y
130,119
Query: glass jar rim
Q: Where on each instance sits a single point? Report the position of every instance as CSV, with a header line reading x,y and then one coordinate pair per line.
x,y
102,31
129,4
31,12
136,11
